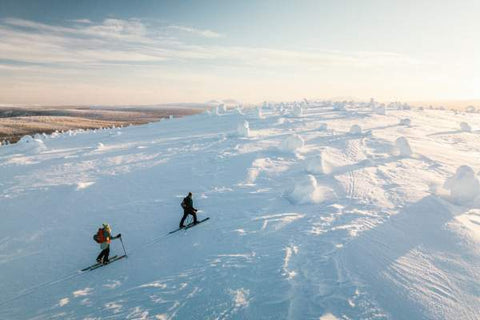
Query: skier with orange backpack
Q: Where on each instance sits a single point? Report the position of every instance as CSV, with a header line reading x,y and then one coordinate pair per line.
x,y
103,237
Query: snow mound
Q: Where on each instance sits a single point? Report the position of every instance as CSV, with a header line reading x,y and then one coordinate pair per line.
x,y
402,147
355,129
259,113
464,186
339,106
322,127
380,110
470,109
238,110
307,190
405,122
465,127
30,144
315,165
243,129
292,143
297,111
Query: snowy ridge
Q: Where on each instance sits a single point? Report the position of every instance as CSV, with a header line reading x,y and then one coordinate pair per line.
x,y
319,210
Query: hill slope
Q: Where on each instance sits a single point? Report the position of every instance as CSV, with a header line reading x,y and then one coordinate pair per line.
x,y
307,221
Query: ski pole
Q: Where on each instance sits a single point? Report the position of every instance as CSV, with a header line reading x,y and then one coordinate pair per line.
x,y
123,246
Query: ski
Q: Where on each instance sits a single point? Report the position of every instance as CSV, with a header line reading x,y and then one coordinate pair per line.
x,y
188,226
95,264
99,265
109,261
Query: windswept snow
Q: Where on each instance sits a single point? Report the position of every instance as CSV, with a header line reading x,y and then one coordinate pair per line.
x,y
305,222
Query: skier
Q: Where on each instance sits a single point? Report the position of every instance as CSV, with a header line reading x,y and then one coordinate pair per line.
x,y
187,205
104,236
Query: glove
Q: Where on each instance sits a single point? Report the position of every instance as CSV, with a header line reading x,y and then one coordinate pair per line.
x,y
119,235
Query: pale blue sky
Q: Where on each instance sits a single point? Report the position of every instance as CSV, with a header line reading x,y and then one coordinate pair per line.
x,y
144,52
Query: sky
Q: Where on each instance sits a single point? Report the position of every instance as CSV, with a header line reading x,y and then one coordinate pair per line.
x,y
150,52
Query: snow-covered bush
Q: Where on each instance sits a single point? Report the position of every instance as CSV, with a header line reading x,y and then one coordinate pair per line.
x,y
464,186
259,113
315,165
402,147
292,143
355,129
405,122
239,110
404,106
297,110
307,190
243,129
465,127
338,106
470,109
29,144
380,109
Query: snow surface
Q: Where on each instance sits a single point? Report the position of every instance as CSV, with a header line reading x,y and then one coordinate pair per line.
x,y
369,235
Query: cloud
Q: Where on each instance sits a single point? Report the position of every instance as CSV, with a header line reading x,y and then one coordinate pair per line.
x,y
198,32
133,41
83,21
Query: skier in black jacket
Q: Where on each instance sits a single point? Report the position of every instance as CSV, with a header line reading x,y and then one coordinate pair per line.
x,y
187,205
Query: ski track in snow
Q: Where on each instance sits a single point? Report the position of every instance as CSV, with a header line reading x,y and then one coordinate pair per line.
x,y
386,246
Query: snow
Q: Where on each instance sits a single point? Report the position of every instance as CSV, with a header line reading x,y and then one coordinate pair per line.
x,y
402,147
333,226
322,127
307,190
243,129
297,110
259,113
292,143
315,165
464,186
355,129
405,122
465,127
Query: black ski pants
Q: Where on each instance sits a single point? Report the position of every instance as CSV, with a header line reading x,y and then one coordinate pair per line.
x,y
185,215
104,254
